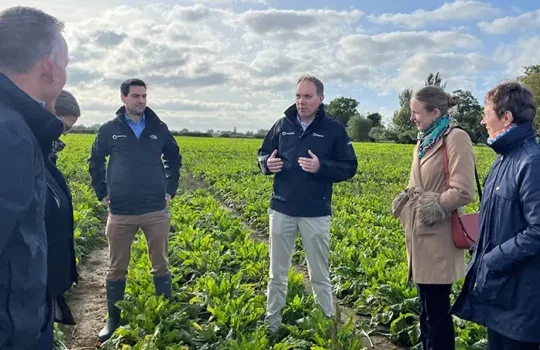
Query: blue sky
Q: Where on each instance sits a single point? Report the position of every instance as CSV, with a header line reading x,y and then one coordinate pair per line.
x,y
217,64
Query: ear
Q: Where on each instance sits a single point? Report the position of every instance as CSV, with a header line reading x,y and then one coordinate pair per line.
x,y
437,113
508,118
47,67
321,98
123,98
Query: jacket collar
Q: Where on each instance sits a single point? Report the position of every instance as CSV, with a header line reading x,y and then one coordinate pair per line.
x,y
149,114
292,114
44,125
522,134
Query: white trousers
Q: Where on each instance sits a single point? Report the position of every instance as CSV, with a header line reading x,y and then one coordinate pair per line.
x,y
315,233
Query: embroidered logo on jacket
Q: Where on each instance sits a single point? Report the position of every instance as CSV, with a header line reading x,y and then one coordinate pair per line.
x,y
287,133
114,137
317,135
153,137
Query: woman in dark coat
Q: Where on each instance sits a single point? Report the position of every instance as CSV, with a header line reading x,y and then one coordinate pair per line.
x,y
502,285
61,264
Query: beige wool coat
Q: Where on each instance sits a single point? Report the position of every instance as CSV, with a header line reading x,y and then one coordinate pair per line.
x,y
425,206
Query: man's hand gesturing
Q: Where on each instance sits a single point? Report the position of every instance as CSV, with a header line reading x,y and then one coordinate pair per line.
x,y
274,164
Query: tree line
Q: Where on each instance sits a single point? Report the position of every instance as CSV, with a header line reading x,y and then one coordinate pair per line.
x,y
468,113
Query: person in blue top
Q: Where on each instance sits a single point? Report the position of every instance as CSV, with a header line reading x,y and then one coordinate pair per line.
x,y
502,284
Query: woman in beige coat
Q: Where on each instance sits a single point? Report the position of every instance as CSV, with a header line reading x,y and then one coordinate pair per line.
x,y
424,209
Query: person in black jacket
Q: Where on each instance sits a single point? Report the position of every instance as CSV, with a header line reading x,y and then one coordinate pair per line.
x,y
59,224
136,188
308,152
33,61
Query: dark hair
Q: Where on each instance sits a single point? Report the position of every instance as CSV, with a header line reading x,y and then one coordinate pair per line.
x,y
435,97
318,84
124,88
511,96
26,35
66,105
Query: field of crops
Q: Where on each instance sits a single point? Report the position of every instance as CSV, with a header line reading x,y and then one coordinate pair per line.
x,y
220,273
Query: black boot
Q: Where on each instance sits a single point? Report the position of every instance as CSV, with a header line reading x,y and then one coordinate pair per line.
x,y
115,292
163,285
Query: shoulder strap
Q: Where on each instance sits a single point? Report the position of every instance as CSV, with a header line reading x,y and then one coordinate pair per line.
x,y
447,171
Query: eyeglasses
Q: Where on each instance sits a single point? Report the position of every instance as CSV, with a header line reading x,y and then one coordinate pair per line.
x,y
67,125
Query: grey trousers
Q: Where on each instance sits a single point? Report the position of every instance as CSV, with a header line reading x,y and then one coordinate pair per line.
x,y
315,233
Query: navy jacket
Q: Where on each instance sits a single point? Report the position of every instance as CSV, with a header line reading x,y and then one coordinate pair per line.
x,y
297,192
502,286
136,179
26,130
59,223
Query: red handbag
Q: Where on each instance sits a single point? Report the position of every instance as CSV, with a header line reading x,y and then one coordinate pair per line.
x,y
464,226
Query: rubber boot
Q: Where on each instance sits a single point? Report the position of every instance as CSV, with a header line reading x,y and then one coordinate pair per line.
x,y
115,292
163,285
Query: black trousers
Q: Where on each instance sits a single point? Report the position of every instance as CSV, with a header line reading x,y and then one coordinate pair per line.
x,y
500,342
436,324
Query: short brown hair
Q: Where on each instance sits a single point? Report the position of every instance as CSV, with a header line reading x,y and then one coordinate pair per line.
x,y
435,97
318,84
66,105
511,96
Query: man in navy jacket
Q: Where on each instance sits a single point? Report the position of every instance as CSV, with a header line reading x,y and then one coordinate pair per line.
x,y
33,61
136,187
307,152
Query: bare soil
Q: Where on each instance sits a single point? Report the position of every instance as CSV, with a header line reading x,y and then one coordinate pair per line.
x,y
88,302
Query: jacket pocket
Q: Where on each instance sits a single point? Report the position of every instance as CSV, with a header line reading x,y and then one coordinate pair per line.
x,y
495,288
424,230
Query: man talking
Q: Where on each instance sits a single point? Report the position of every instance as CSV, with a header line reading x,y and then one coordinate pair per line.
x,y
308,152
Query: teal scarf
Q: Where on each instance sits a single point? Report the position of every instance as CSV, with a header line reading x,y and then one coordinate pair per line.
x,y
435,132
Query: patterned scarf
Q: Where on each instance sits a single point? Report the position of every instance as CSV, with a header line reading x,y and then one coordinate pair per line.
x,y
501,133
435,132
57,146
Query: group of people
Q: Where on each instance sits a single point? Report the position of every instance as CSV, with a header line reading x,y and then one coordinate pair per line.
x,y
502,285
306,151
37,253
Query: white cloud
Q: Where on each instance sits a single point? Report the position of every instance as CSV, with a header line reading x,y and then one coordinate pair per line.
x,y
394,47
459,10
504,25
290,25
209,66
524,52
459,70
